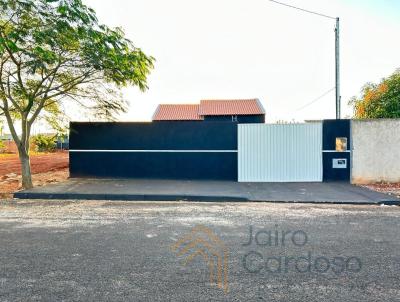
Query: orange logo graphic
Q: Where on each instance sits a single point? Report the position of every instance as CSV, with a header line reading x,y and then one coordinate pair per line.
x,y
202,241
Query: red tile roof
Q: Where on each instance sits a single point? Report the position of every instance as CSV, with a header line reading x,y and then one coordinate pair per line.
x,y
178,112
231,107
190,112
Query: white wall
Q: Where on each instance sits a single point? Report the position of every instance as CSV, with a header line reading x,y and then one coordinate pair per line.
x,y
376,150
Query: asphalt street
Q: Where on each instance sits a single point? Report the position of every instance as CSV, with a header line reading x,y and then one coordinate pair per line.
x,y
186,251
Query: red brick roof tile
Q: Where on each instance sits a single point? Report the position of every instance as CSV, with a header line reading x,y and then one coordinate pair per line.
x,y
178,112
231,107
193,112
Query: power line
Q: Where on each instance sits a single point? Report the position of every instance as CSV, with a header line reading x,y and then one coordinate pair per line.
x,y
303,10
317,99
337,64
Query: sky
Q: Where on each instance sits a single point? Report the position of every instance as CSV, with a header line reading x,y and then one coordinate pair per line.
x,y
227,49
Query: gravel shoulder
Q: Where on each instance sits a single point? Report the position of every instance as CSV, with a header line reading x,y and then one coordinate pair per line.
x,y
392,189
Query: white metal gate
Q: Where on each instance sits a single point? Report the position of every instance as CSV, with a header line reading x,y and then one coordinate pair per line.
x,y
280,152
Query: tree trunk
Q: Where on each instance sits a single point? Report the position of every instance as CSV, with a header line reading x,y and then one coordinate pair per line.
x,y
26,169
23,150
22,143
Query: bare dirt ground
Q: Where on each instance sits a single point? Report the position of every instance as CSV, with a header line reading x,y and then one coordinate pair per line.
x,y
387,188
46,168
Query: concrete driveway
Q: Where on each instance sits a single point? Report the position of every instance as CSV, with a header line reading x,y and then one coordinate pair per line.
x,y
122,251
207,190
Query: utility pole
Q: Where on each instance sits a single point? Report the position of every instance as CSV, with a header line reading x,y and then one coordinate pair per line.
x,y
337,50
337,68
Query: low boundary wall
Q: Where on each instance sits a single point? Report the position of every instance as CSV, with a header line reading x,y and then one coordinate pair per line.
x,y
375,150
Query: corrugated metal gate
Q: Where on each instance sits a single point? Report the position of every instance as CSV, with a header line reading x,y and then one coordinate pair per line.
x,y
280,152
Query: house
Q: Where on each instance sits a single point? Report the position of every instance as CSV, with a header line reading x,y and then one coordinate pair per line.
x,y
240,111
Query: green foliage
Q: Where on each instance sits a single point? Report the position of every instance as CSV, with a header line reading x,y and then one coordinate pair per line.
x,y
379,100
53,51
2,146
44,143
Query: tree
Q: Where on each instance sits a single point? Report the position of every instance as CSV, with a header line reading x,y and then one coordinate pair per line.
x,y
45,143
55,52
379,100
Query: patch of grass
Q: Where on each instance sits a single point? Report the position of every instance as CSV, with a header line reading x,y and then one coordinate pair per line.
x,y
31,153
7,155
34,153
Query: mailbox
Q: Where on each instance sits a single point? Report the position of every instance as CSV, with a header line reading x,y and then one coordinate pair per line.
x,y
339,163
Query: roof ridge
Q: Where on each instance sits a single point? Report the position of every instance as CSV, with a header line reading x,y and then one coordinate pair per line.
x,y
222,100
177,104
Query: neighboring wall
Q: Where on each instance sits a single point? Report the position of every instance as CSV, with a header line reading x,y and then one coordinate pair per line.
x,y
376,150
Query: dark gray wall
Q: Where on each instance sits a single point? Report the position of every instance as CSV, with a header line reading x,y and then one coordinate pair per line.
x,y
134,137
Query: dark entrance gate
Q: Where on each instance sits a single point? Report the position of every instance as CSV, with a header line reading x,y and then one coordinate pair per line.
x,y
165,150
336,150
